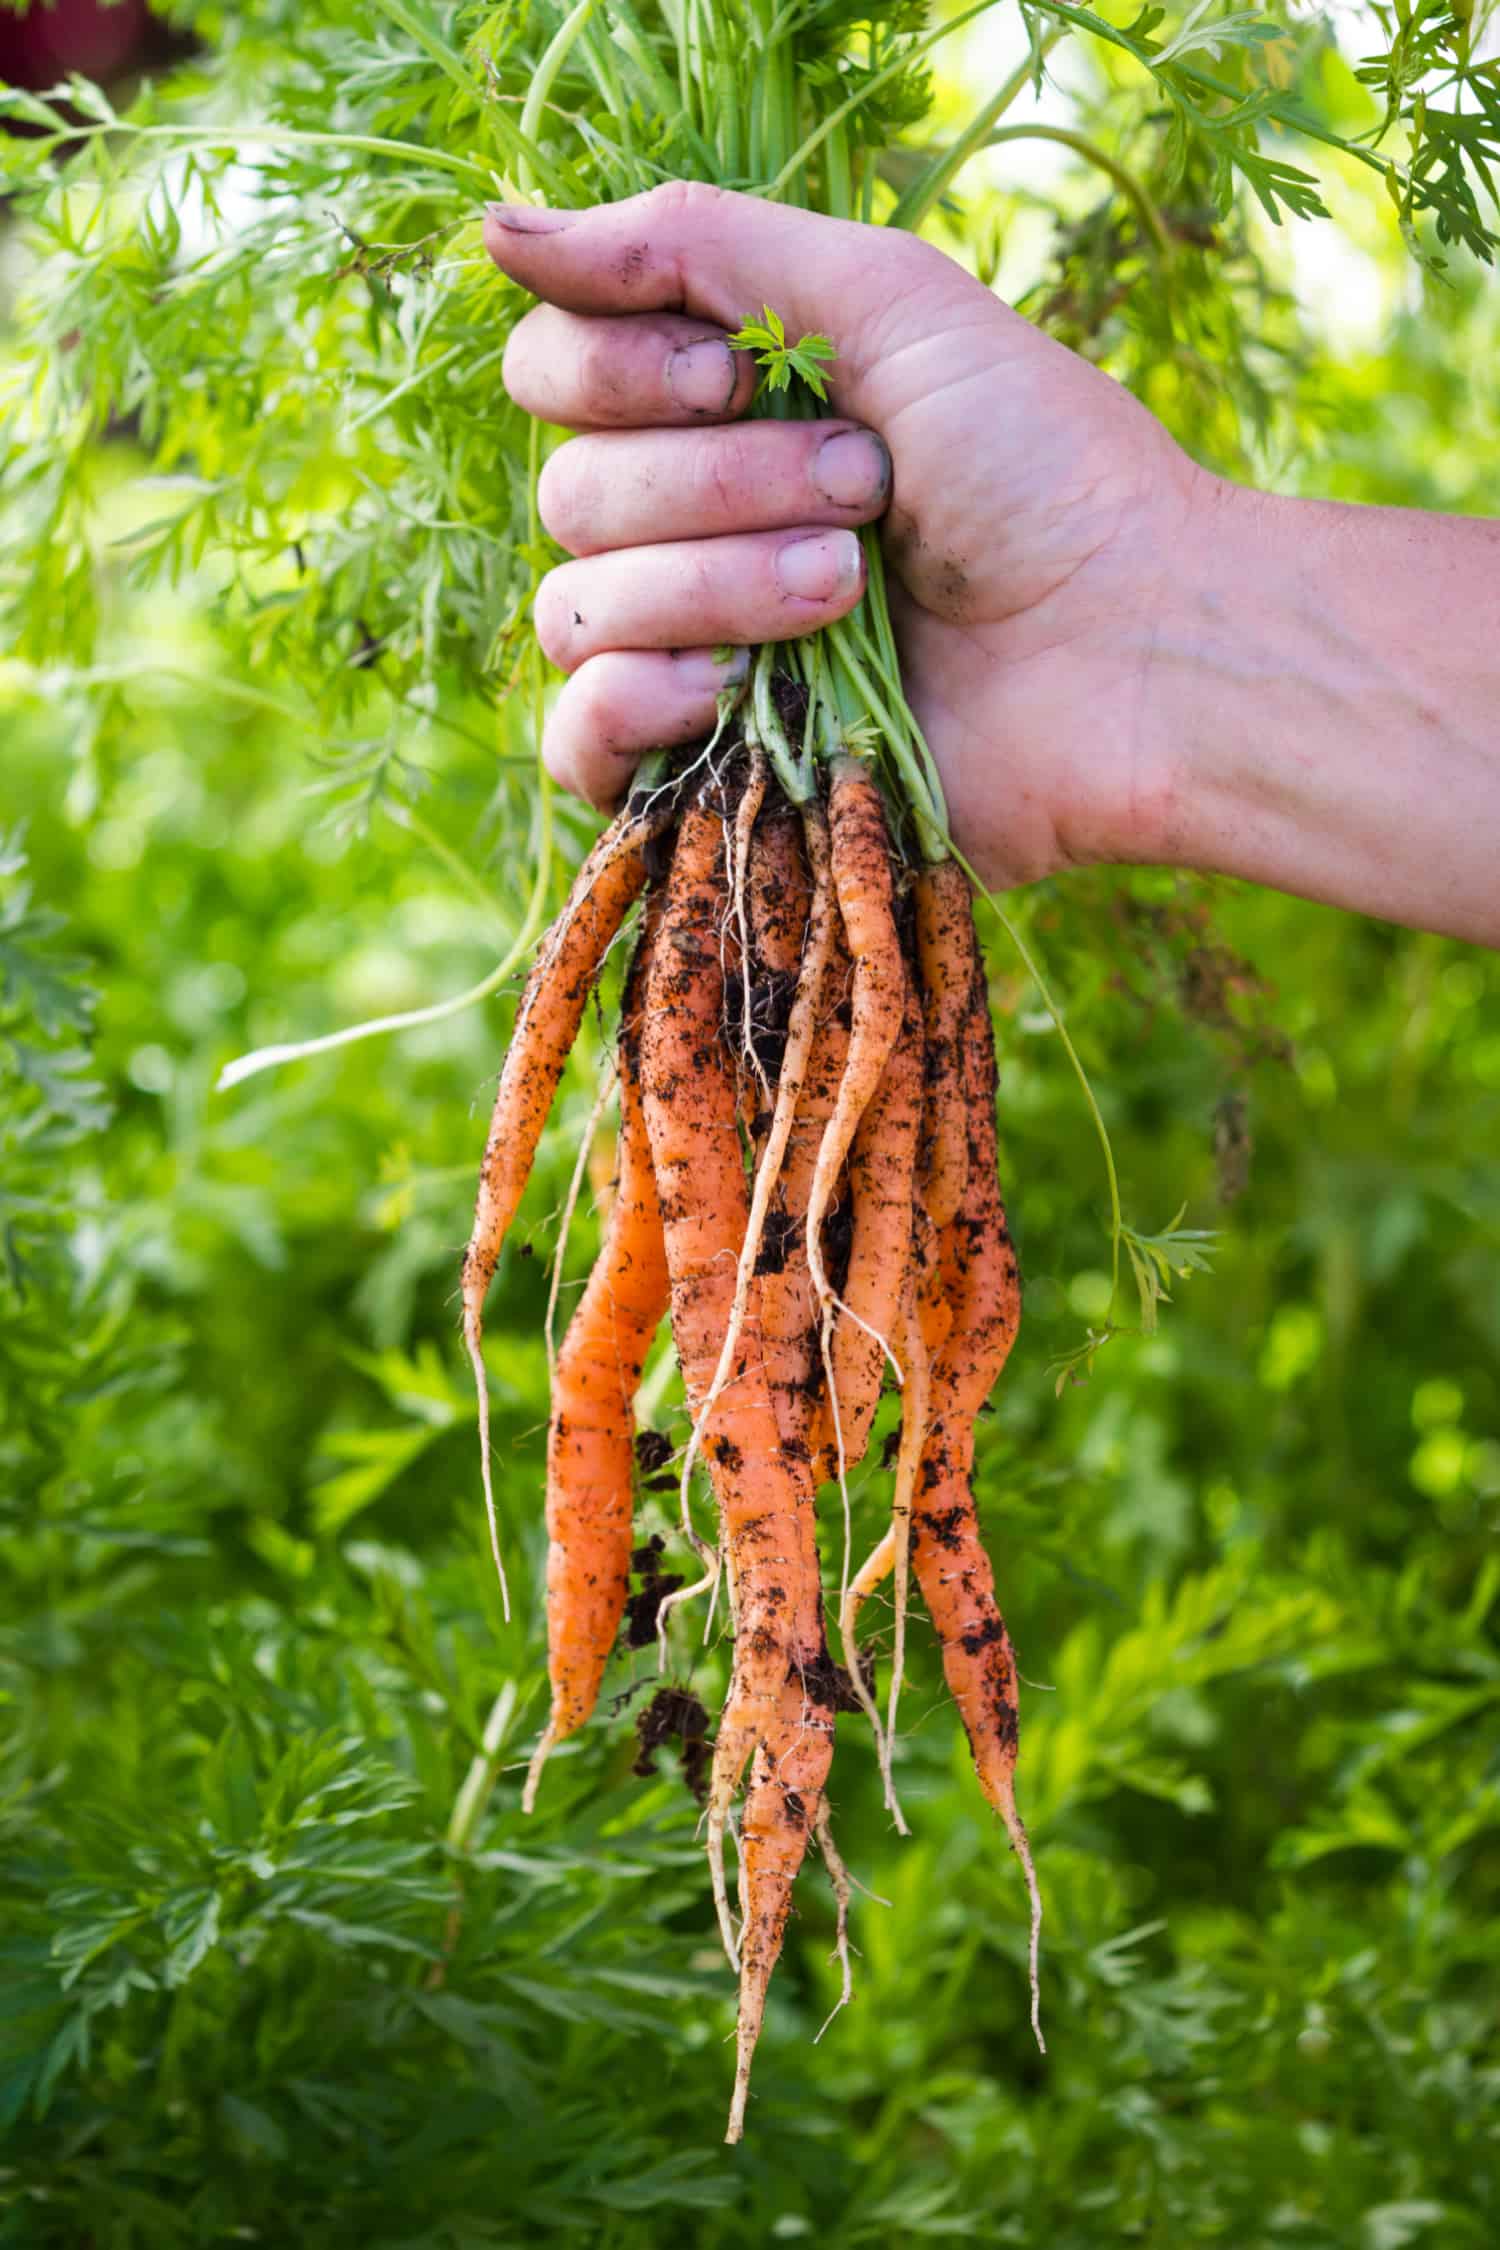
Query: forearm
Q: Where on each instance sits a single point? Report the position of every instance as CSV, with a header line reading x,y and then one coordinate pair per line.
x,y
1321,708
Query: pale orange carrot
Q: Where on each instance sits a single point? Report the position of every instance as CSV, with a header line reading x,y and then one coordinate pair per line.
x,y
551,1009
591,1439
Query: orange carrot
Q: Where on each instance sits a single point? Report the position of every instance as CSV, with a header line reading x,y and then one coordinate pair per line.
x,y
948,952
801,1028
778,901
591,1440
547,1021
788,1307
983,1282
752,797
881,1165
765,1498
893,1554
861,855
783,1805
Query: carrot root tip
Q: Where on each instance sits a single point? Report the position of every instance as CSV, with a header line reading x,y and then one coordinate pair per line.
x,y
482,1390
839,1878
719,1882
539,1757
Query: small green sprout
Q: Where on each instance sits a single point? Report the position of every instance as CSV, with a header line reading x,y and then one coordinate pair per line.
x,y
766,337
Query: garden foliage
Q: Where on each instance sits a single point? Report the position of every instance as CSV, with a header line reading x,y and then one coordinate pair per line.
x,y
281,1961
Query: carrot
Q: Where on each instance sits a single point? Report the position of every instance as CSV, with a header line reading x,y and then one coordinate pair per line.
x,y
765,1497
783,1806
861,855
952,1568
881,1165
867,1320
934,1316
892,1554
779,896
948,951
801,1026
552,1005
788,1321
591,1439
547,1021
752,797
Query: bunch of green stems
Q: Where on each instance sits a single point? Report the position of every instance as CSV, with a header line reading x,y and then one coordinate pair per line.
x,y
753,117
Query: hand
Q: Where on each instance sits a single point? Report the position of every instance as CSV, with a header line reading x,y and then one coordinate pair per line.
x,y
1031,507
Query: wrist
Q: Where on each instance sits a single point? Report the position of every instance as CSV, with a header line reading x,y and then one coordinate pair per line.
x,y
1146,654
1317,689
1201,641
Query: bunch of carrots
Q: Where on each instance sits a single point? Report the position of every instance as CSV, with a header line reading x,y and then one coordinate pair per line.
x,y
807,1144
807,1181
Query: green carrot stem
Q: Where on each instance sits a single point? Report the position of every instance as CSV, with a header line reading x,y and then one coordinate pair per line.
x,y
913,207
556,53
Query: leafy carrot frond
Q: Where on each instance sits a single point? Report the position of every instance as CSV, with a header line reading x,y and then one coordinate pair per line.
x,y
1158,1259
766,338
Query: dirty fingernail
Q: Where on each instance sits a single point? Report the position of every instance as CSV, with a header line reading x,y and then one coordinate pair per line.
x,y
529,218
853,469
704,671
701,376
821,567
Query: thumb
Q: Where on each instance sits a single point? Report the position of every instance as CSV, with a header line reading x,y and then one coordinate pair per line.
x,y
720,256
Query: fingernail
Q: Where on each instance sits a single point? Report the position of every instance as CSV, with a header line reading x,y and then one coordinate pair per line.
x,y
704,671
852,469
821,567
702,377
529,218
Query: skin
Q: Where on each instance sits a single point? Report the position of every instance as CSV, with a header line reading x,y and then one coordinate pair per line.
x,y
1115,655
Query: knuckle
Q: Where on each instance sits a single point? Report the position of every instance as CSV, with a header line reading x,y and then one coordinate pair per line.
x,y
922,259
720,476
683,199
704,588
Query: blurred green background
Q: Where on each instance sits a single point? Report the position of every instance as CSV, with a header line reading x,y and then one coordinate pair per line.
x,y
250,1642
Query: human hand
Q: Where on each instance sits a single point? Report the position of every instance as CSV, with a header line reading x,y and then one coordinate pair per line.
x,y
1030,504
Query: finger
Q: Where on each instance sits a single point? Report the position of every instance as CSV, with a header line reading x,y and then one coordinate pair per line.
x,y
637,489
762,586
689,248
618,706
624,374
